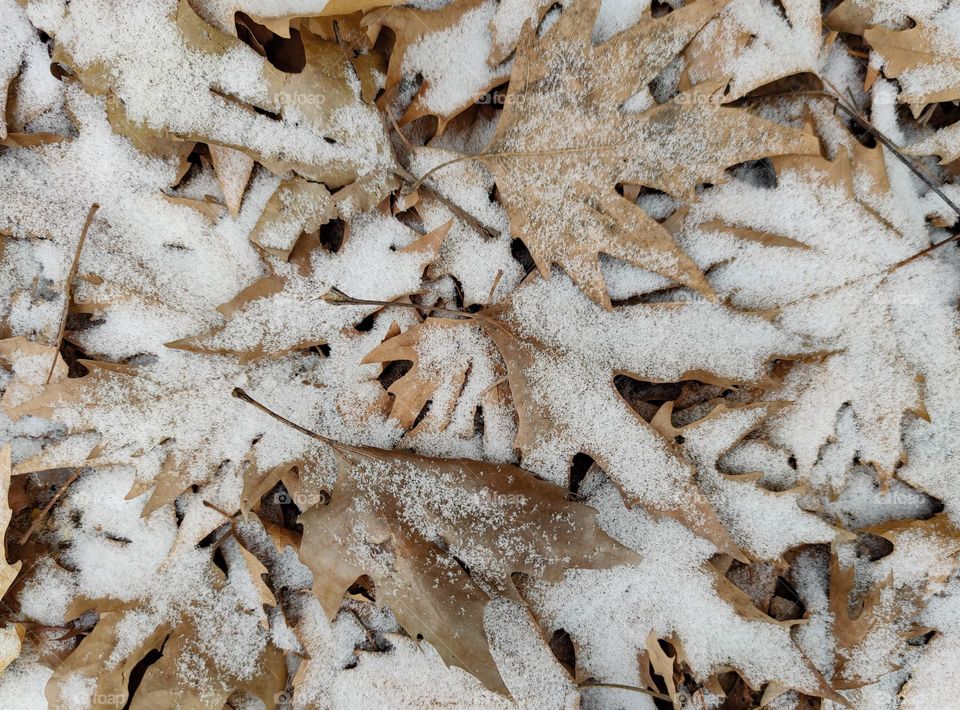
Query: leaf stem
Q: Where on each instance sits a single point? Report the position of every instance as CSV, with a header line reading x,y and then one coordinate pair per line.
x,y
339,298
49,506
68,288
243,396
619,686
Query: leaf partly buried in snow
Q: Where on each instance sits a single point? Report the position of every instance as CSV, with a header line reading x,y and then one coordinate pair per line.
x,y
440,536
564,142
379,259
212,86
562,352
422,38
296,207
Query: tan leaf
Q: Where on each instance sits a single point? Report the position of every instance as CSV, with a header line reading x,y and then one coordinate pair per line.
x,y
233,172
457,369
322,129
11,635
296,207
563,143
439,536
924,59
379,259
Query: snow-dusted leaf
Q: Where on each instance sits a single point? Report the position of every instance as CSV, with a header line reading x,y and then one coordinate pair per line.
x,y
439,536
674,591
755,42
764,523
379,259
448,48
206,622
457,370
177,424
167,74
831,284
482,265
564,142
296,207
562,352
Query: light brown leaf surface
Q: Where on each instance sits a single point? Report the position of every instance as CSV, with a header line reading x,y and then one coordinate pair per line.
x,y
322,128
564,142
439,536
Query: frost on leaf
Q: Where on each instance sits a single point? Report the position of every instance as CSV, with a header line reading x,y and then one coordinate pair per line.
x,y
824,269
764,523
439,537
379,259
562,352
167,74
457,374
564,141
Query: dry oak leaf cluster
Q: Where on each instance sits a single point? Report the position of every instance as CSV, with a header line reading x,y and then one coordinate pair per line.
x,y
479,353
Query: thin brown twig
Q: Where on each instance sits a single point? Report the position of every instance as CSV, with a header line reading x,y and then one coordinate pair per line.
x,y
68,288
339,298
493,286
46,509
243,396
619,686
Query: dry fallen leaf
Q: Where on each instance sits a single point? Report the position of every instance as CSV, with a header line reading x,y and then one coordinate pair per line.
x,y
564,141
439,536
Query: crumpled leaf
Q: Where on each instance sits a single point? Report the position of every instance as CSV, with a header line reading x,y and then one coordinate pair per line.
x,y
323,130
379,259
564,142
233,173
439,536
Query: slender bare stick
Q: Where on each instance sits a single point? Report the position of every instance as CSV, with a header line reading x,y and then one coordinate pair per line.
x,y
618,686
68,288
339,298
243,396
49,506
493,286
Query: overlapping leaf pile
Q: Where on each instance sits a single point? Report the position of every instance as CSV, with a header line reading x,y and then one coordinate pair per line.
x,y
479,353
